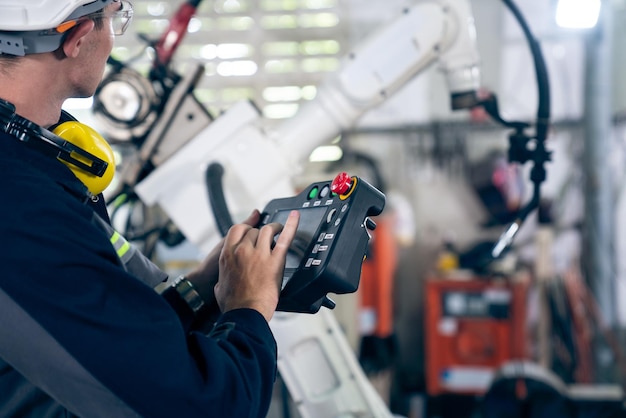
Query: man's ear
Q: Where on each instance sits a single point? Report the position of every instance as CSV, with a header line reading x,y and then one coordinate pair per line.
x,y
75,37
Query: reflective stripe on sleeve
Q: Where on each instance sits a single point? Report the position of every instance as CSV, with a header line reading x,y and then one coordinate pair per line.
x,y
121,247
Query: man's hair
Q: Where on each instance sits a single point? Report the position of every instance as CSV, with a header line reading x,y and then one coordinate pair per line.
x,y
7,61
98,20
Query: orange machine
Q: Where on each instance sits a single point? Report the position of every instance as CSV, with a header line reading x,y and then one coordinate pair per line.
x,y
472,327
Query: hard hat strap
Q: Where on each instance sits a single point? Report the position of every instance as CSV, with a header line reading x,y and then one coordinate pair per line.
x,y
22,43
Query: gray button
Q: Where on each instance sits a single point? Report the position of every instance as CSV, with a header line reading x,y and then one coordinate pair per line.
x,y
330,216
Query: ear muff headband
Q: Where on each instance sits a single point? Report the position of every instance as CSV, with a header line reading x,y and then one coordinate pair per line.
x,y
77,145
87,139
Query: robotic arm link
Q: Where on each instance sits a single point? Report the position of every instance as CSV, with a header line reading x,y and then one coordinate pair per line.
x,y
429,32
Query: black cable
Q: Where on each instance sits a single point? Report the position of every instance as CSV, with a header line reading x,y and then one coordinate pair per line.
x,y
541,73
217,200
540,155
519,151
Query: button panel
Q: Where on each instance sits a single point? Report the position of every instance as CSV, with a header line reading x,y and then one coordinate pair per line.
x,y
320,195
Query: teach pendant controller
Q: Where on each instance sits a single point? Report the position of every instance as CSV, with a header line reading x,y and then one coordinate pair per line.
x,y
331,241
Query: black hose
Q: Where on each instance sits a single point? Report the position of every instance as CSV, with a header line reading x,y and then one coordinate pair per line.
x,y
217,200
541,73
539,155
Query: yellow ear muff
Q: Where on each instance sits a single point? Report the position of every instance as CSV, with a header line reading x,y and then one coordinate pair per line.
x,y
88,139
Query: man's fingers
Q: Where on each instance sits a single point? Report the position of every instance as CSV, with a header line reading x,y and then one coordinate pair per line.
x,y
236,234
268,232
238,231
252,235
288,233
253,219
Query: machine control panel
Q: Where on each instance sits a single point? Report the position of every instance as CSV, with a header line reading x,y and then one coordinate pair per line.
x,y
331,241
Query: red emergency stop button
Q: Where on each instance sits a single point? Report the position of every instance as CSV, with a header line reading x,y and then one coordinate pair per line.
x,y
341,184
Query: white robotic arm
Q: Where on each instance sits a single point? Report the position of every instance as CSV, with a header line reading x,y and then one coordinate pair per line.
x,y
315,360
259,165
429,32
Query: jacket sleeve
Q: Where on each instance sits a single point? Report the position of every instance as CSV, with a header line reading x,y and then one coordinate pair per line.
x,y
102,343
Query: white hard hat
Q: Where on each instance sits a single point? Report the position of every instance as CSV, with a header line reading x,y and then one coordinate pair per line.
x,y
25,24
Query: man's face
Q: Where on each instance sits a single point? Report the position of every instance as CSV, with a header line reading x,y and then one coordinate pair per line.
x,y
98,45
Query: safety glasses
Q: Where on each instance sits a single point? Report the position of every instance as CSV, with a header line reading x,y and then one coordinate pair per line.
x,y
120,19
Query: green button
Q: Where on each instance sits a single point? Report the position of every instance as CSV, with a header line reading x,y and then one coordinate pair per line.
x,y
313,193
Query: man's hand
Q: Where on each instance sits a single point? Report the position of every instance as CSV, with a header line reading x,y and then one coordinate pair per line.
x,y
251,266
204,277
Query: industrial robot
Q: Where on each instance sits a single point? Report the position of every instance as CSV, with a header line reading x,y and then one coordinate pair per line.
x,y
255,164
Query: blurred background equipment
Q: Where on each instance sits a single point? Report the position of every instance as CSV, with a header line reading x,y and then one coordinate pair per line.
x,y
473,325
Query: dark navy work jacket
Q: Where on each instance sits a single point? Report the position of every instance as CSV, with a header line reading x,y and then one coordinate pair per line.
x,y
80,336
